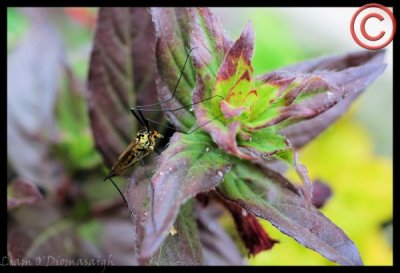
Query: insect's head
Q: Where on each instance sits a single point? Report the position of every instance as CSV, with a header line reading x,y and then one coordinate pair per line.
x,y
146,139
142,137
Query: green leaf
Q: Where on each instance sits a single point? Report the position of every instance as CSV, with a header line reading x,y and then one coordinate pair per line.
x,y
268,144
17,26
233,81
270,196
91,231
76,147
172,41
300,96
223,135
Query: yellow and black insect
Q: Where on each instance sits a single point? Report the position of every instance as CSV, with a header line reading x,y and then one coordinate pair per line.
x,y
141,146
145,140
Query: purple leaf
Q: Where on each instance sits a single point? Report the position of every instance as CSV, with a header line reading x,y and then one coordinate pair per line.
x,y
230,111
182,247
352,72
32,84
276,165
306,96
177,30
240,51
39,234
321,193
211,43
37,231
115,238
218,246
177,248
191,164
270,196
172,33
121,69
250,230
20,192
138,195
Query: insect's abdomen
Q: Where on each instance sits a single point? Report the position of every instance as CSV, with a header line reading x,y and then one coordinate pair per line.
x,y
134,156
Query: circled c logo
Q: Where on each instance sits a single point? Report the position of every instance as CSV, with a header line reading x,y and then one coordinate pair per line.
x,y
365,38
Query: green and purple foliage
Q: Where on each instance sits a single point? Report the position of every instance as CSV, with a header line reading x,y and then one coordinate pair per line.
x,y
249,130
248,123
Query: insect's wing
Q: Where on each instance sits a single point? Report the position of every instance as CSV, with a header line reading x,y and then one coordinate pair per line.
x,y
133,146
124,159
125,168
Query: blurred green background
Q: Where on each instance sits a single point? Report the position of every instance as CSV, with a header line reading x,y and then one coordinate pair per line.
x,y
354,156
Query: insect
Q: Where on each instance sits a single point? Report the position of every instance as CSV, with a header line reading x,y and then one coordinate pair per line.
x,y
141,146
145,140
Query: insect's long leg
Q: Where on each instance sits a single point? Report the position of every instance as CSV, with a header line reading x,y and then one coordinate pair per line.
x,y
140,108
176,86
115,185
182,107
144,121
187,133
201,125
152,194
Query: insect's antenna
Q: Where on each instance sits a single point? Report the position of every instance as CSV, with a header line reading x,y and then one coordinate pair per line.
x,y
170,110
159,123
190,131
176,86
141,122
182,107
145,122
115,185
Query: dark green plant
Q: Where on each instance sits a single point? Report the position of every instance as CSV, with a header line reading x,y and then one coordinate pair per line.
x,y
248,125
